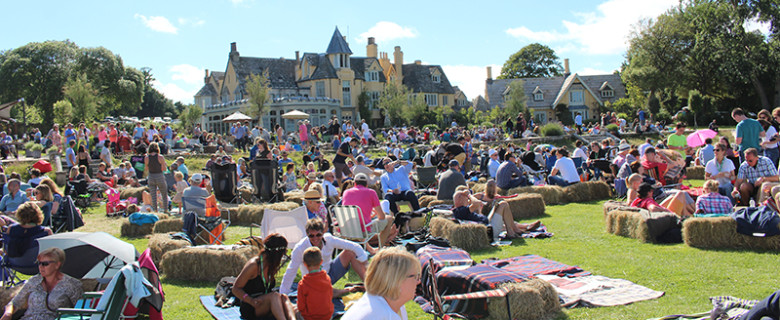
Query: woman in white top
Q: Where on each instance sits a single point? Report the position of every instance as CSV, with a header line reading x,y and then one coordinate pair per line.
x,y
770,141
391,279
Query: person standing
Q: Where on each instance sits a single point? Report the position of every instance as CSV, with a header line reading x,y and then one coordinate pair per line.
x,y
677,141
578,122
154,165
343,152
138,132
749,132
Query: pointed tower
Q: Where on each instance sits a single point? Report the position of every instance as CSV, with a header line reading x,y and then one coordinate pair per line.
x,y
338,50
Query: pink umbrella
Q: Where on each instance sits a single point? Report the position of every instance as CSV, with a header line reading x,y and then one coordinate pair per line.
x,y
697,138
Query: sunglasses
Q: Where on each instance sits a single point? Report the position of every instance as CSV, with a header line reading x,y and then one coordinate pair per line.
x,y
317,235
45,263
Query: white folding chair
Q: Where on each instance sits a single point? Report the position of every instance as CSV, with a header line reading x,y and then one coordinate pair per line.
x,y
290,224
351,225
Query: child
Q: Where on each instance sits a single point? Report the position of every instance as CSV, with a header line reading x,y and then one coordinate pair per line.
x,y
315,293
290,179
180,186
309,169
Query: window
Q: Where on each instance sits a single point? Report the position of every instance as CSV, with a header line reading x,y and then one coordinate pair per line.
x,y
575,98
345,93
239,95
431,99
372,76
225,96
436,78
320,86
373,99
538,96
445,100
341,61
607,93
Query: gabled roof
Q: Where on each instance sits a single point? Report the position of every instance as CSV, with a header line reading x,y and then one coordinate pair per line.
x,y
605,86
481,104
281,72
567,84
553,87
417,77
538,90
360,65
218,75
338,44
206,90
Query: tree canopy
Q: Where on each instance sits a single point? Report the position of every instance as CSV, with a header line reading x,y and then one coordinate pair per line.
x,y
532,61
257,86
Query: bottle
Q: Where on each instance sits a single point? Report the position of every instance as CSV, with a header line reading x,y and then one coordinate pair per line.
x,y
752,203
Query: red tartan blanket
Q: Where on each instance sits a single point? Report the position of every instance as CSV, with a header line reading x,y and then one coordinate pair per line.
x,y
473,279
532,264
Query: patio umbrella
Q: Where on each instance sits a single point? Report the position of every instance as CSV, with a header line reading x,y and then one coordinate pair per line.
x,y
697,138
295,114
237,117
90,255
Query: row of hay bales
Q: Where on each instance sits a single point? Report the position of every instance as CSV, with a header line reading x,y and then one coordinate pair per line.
x,y
178,260
695,172
553,195
523,206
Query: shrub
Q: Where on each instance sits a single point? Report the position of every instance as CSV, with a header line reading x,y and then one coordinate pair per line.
x,y
551,130
612,128
52,149
29,145
433,127
36,147
623,116
487,124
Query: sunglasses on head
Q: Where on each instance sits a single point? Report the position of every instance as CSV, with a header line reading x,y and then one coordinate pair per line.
x,y
313,235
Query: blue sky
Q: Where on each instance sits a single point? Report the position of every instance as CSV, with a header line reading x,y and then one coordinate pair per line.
x,y
179,39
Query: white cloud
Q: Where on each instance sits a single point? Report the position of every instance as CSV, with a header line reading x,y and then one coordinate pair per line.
x,y
470,79
157,23
174,92
384,31
188,73
191,22
603,32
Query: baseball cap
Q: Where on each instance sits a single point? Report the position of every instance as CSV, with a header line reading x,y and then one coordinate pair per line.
x,y
197,178
361,177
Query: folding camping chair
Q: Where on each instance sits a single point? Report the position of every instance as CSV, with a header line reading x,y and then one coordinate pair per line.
x,y
211,225
426,177
21,251
438,300
290,224
351,225
67,217
79,191
225,183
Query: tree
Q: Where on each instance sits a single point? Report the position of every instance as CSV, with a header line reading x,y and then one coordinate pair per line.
x,y
190,116
516,102
393,100
563,114
696,104
418,113
83,97
363,106
257,86
63,111
532,61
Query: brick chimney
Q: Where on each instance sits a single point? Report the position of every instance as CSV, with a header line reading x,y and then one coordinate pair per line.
x,y
233,52
371,48
566,71
489,73
297,56
398,57
206,77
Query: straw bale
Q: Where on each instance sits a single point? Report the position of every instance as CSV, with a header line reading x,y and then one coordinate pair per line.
x,y
613,205
695,172
599,190
478,187
578,192
440,227
438,202
416,223
202,264
245,193
469,236
168,225
721,232
160,243
525,206
228,211
247,214
552,194
133,193
533,299
6,295
294,196
131,230
639,223
282,206
424,201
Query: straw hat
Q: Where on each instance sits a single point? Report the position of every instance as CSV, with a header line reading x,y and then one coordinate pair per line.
x,y
312,195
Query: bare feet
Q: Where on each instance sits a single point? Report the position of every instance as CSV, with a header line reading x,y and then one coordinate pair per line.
x,y
534,225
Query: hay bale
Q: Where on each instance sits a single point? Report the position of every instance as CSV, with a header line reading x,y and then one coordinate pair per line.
x,y
469,236
639,223
202,264
440,227
613,205
6,295
159,244
168,225
599,190
578,192
525,206
424,201
721,232
695,172
132,193
533,299
294,196
438,202
552,194
246,193
282,206
247,214
132,230
478,187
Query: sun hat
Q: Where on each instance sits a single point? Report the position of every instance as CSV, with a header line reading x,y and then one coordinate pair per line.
x,y
491,152
312,195
311,176
624,147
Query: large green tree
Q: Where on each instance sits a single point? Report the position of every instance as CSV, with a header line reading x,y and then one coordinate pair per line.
x,y
154,103
532,61
516,99
257,86
190,116
393,100
84,98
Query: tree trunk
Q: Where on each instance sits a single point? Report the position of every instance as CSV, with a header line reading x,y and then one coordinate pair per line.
x,y
760,92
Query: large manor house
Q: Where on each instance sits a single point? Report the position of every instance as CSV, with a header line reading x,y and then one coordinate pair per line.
x,y
330,84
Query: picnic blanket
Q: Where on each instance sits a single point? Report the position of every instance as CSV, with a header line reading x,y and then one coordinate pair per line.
x,y
733,309
538,233
598,291
473,279
531,264
219,313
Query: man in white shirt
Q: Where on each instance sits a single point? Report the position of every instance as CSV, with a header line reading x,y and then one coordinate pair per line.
x,y
428,156
578,123
493,163
579,151
352,255
566,167
363,126
329,187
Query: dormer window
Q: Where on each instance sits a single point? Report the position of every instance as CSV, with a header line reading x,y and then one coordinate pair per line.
x,y
607,93
372,76
436,78
538,94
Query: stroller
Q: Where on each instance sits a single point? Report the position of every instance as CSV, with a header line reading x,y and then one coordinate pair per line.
x,y
78,190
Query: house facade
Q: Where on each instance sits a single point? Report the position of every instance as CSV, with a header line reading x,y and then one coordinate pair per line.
x,y
579,93
324,85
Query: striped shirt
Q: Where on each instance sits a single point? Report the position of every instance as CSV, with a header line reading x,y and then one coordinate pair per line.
x,y
763,168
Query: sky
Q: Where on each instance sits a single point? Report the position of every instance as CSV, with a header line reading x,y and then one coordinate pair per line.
x,y
178,40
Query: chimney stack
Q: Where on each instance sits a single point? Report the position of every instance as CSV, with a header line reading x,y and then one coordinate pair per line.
x,y
297,56
233,52
418,62
566,71
206,78
489,73
371,48
398,57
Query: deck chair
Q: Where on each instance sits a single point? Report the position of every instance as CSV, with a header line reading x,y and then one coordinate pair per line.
x,y
224,180
351,225
438,301
67,217
21,250
210,224
112,302
290,224
426,177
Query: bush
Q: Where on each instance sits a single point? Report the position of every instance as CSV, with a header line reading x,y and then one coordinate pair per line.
x,y
623,116
36,147
612,128
551,130
663,116
433,127
52,149
29,145
487,124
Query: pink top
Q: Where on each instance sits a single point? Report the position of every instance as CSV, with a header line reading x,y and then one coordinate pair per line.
x,y
644,203
362,197
102,135
304,133
113,135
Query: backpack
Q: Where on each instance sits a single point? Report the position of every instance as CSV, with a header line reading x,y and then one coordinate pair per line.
x,y
223,293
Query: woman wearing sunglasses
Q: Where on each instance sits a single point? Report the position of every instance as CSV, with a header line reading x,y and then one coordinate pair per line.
x,y
44,293
254,284
391,279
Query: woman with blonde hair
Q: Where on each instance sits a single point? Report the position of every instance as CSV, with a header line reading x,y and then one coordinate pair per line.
x,y
391,280
56,198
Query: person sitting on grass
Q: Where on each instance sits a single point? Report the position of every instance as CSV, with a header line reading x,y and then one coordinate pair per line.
x,y
752,174
713,203
35,177
290,178
565,166
254,285
500,215
315,292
